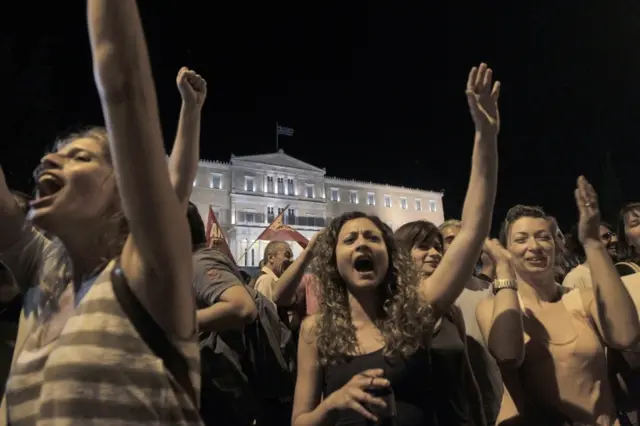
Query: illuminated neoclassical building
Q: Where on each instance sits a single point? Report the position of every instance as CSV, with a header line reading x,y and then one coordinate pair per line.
x,y
249,191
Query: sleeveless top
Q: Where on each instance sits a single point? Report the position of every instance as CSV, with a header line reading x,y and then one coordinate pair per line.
x,y
88,365
569,377
450,375
410,380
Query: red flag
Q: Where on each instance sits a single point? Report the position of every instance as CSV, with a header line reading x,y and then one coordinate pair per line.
x,y
215,235
278,231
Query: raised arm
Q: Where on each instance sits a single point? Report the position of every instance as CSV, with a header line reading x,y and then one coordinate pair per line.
x,y
157,256
609,302
183,161
11,218
444,286
284,292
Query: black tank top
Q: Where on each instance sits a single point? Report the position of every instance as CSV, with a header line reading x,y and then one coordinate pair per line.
x,y
409,379
450,372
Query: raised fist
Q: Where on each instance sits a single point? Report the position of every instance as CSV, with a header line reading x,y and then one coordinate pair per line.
x,y
192,87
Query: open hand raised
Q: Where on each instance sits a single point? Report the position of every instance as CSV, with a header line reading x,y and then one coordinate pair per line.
x,y
482,96
587,202
192,87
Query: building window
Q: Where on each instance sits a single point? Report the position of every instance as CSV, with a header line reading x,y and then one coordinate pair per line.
x,y
353,197
270,214
216,181
432,206
253,257
290,188
335,194
249,182
387,200
403,203
371,199
280,210
280,185
270,184
291,212
309,191
418,205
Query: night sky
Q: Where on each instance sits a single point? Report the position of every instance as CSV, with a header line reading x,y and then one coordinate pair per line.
x,y
373,93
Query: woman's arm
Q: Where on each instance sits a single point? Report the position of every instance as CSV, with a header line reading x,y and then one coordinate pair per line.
x,y
157,256
11,218
285,289
308,407
183,161
444,286
609,303
500,317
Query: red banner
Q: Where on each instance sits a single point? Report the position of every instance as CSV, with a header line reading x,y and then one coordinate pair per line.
x,y
279,231
215,235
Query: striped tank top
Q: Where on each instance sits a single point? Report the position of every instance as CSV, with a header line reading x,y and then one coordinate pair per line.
x,y
88,365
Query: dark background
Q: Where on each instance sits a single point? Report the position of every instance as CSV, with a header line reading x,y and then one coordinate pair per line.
x,y
373,93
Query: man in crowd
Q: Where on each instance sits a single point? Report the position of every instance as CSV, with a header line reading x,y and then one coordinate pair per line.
x,y
277,258
224,309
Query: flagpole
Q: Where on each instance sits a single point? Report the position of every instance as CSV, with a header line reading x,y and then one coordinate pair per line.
x,y
277,137
262,233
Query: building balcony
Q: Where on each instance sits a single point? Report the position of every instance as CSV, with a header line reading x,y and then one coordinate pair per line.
x,y
306,221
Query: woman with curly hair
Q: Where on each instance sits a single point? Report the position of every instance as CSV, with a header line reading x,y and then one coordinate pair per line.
x,y
364,358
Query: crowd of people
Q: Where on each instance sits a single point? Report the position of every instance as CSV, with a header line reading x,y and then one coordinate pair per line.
x,y
114,313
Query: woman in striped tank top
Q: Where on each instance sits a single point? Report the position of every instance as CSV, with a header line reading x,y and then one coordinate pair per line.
x,y
80,359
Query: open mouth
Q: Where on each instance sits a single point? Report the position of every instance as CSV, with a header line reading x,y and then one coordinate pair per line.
x,y
48,184
364,264
538,261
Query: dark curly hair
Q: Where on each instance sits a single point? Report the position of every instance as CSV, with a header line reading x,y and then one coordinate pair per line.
x,y
404,318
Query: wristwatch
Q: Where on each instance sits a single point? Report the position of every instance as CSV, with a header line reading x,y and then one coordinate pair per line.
x,y
502,284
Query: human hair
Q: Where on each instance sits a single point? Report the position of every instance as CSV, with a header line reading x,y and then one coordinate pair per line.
x,y
196,225
22,200
574,246
450,223
417,233
271,249
404,318
626,251
519,211
112,240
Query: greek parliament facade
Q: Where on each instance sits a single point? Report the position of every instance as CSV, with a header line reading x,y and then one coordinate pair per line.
x,y
248,192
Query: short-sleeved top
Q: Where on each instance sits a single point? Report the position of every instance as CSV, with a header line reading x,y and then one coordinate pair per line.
x,y
215,273
84,362
227,397
266,282
578,277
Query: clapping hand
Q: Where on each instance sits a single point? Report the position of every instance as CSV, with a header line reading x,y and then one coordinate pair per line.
x,y
587,202
482,97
